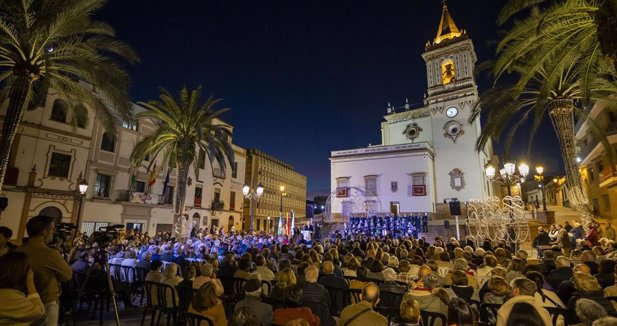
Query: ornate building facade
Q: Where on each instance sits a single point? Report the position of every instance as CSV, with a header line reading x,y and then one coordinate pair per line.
x,y
427,154
54,151
273,173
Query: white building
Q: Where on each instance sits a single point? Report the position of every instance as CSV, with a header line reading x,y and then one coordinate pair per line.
x,y
50,155
427,154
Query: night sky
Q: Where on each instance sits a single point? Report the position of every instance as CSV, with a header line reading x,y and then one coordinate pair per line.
x,y
302,77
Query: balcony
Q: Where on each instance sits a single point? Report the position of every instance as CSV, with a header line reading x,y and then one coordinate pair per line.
x,y
594,143
218,173
217,205
145,198
608,176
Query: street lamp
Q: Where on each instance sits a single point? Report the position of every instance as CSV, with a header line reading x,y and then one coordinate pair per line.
x,y
283,194
508,175
540,178
83,188
252,195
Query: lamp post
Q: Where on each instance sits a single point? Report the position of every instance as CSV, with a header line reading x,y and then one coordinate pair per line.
x,y
83,188
508,175
540,178
252,195
283,194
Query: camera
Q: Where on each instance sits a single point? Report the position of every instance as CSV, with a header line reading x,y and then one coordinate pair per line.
x,y
63,232
105,234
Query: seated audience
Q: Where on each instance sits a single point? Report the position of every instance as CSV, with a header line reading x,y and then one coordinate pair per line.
x,y
587,287
524,314
409,314
588,310
461,313
293,309
207,275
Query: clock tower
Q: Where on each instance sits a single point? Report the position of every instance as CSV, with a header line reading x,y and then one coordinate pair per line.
x,y
451,96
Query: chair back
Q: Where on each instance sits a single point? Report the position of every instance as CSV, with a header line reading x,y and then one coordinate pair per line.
x,y
390,299
238,287
353,296
166,295
266,287
431,318
374,280
337,299
128,273
151,294
555,313
197,320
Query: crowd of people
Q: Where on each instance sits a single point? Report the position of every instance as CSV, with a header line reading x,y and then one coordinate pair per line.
x,y
379,226
338,280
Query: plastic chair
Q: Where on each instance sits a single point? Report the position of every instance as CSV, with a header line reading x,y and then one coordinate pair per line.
x,y
197,320
150,291
555,313
167,302
430,318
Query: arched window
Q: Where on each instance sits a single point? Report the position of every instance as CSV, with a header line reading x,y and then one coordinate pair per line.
x,y
51,211
196,220
108,142
448,72
58,111
80,114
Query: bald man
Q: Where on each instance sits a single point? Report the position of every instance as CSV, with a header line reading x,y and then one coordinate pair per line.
x,y
566,288
361,313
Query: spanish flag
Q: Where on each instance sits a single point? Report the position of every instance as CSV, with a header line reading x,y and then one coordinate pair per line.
x,y
152,178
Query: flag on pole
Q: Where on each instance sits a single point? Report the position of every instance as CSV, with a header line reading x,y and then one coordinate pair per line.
x,y
293,221
133,179
280,226
152,178
166,182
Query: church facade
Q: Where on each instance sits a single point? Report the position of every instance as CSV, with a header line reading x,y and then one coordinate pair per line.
x,y
427,155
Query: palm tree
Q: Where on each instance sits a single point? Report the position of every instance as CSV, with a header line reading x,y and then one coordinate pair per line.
x,y
185,127
555,30
556,91
55,44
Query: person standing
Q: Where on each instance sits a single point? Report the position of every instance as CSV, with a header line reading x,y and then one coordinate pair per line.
x,y
47,264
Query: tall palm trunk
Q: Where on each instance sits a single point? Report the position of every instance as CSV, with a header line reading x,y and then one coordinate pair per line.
x,y
18,101
561,112
183,169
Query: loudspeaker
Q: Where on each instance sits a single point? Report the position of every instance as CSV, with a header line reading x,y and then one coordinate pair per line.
x,y
455,208
446,224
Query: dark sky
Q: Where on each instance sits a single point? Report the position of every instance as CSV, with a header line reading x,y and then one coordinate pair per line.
x,y
302,77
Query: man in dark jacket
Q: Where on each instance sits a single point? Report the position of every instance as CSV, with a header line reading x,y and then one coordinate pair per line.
x,y
313,291
542,239
562,273
252,300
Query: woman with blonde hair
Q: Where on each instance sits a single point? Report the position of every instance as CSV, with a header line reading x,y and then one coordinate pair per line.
x,y
409,314
287,280
206,304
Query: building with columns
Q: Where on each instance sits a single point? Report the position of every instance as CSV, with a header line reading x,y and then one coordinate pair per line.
x,y
54,150
273,173
427,154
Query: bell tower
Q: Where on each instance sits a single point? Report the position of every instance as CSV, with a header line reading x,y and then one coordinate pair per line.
x,y
451,97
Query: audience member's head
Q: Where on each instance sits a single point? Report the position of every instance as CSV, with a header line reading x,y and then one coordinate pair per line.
x,y
170,270
499,286
410,311
14,271
311,273
389,275
460,313
298,322
244,316
370,294
524,314
206,270
589,310
205,298
252,288
584,282
523,286
41,226
583,268
328,268
605,321
562,261
156,265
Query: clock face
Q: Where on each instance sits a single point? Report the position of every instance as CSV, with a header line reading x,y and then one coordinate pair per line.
x,y
451,112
